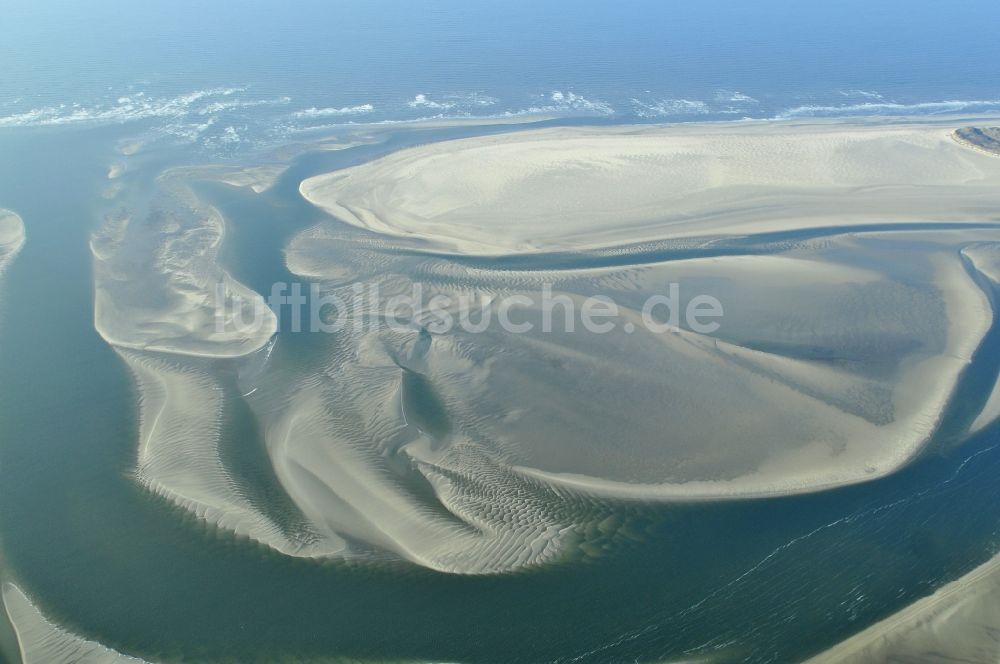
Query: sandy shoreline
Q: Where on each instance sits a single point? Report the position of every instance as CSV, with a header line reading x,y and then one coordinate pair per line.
x,y
42,642
158,285
984,139
960,619
641,421
12,237
543,190
257,178
468,454
581,188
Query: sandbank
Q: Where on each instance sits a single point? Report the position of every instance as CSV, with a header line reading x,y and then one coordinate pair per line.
x,y
43,642
484,453
257,178
986,139
573,188
11,237
958,623
158,286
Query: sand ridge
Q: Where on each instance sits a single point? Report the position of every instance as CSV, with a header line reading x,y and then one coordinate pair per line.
x,y
490,452
158,285
581,188
12,237
43,642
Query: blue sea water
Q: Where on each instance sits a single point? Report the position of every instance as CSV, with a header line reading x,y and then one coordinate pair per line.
x,y
228,77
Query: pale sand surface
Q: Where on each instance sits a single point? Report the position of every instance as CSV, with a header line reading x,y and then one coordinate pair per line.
x,y
355,507
990,412
43,642
11,237
328,143
835,362
257,178
164,303
578,188
491,452
158,285
642,421
960,622
986,139
129,148
986,258
793,423
181,414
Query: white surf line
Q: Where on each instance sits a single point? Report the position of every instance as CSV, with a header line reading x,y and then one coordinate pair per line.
x,y
270,348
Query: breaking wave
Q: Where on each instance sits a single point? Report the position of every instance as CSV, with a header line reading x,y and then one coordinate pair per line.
x,y
333,112
138,106
892,108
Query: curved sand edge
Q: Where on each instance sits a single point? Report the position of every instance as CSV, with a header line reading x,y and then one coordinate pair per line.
x,y
356,511
961,619
845,451
158,285
43,642
984,139
336,438
12,237
257,178
986,258
933,382
179,458
568,189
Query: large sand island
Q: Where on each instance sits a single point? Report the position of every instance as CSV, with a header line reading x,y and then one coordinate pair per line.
x,y
581,188
854,304
836,361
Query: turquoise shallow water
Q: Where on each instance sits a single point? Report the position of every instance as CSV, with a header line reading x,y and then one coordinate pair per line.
x,y
117,565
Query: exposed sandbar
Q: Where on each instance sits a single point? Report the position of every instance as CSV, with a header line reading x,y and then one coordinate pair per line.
x,y
986,139
257,178
11,237
958,623
489,452
580,188
835,362
43,642
158,285
793,369
182,412
985,257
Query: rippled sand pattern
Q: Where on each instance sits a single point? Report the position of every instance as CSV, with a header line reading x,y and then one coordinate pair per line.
x,y
482,453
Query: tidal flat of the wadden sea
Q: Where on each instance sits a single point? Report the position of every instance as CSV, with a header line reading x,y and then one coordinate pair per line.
x,y
199,465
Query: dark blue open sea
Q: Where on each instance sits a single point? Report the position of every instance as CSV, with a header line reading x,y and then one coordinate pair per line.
x,y
763,581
